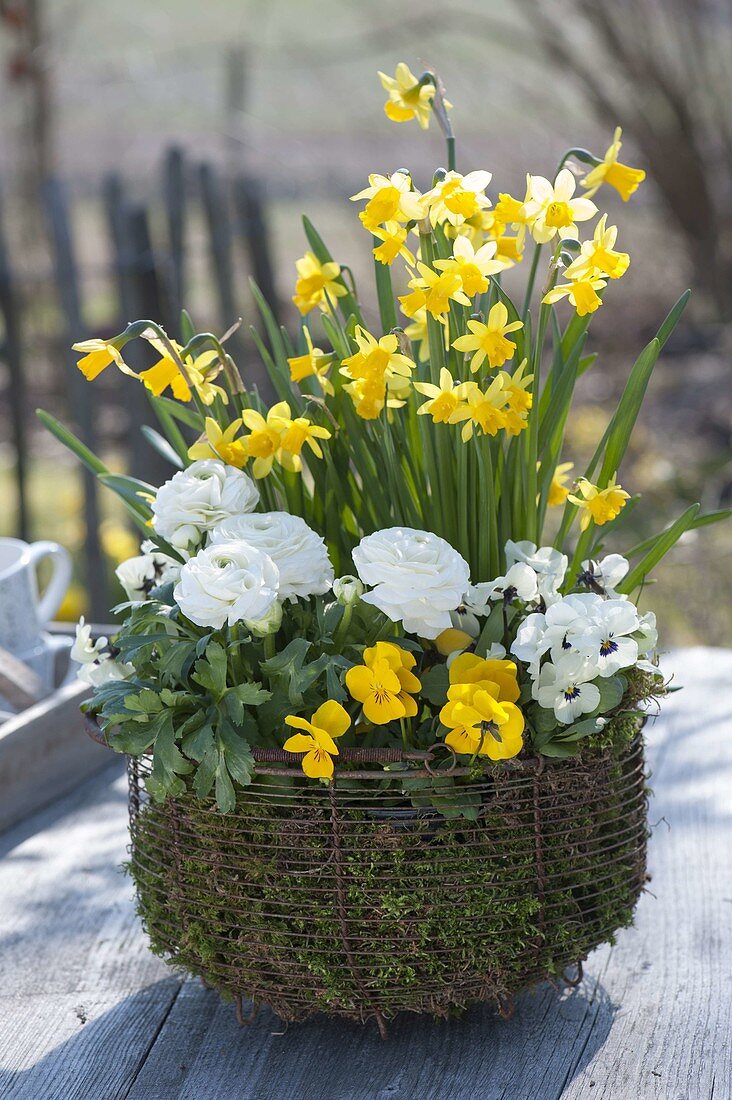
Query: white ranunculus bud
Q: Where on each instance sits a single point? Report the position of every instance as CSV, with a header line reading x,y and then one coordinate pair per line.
x,y
138,576
227,583
195,499
269,624
298,552
347,589
417,578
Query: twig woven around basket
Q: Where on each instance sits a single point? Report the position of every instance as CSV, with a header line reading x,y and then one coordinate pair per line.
x,y
349,901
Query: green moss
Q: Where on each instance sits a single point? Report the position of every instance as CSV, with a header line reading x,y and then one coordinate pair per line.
x,y
438,913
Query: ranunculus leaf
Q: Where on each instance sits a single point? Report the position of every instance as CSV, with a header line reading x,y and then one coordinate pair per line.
x,y
210,670
238,755
435,683
225,797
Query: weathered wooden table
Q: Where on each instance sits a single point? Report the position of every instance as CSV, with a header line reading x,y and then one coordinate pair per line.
x,y
86,1013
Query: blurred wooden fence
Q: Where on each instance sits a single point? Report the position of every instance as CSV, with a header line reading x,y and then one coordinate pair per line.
x,y
151,277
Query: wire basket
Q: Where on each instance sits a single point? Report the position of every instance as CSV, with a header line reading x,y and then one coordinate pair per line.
x,y
348,900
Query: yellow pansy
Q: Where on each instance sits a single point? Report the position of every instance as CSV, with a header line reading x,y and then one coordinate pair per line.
x,y
443,399
600,505
378,687
469,669
553,209
473,267
417,333
483,726
401,661
437,290
393,237
390,198
582,293
330,720
597,257
313,364
488,340
456,198
408,98
624,179
220,443
317,284
482,410
559,490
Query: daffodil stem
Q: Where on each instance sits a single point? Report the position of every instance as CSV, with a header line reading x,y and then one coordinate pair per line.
x,y
532,278
450,142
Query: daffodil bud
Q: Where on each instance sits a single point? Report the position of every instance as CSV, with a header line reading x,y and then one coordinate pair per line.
x,y
270,624
439,176
347,589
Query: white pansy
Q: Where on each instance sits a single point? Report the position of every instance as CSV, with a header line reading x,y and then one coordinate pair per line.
x,y
227,583
464,619
195,499
298,552
605,639
646,635
554,631
519,583
606,574
550,566
418,578
347,589
565,688
84,651
139,575
104,669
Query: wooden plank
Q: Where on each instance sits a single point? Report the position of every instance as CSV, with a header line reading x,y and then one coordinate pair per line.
x,y
12,353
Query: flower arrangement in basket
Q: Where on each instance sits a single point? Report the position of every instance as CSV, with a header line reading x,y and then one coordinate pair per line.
x,y
382,676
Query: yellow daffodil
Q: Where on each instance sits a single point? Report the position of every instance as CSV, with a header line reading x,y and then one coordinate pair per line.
x,y
97,355
624,179
483,726
513,211
473,267
488,340
265,436
414,303
559,490
393,237
330,720
417,333
438,291
482,410
317,284
390,198
443,399
456,198
313,364
582,293
376,357
408,98
296,435
598,505
597,258
200,371
221,443
469,669
384,684
519,398
509,249
552,208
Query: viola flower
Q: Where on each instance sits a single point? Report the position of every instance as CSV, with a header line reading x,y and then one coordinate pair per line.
x,y
437,290
482,410
378,688
315,363
97,355
390,198
444,399
624,179
455,198
581,292
606,641
317,284
598,505
565,687
519,583
408,97
479,724
417,333
559,490
597,258
468,668
330,721
221,443
552,208
472,267
605,575
488,340
393,237
402,662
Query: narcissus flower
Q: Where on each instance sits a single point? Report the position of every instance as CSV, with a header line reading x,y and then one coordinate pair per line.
x,y
417,333
408,97
330,720
600,505
97,355
390,198
513,211
559,490
384,683
552,208
200,372
393,237
299,433
624,179
518,397
443,399
597,258
313,364
317,284
481,410
488,340
456,198
582,293
376,370
472,266
437,291
221,443
279,436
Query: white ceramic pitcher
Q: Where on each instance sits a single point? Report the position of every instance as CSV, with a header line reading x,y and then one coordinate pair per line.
x,y
23,614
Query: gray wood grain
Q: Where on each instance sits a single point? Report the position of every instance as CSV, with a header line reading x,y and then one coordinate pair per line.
x,y
651,1019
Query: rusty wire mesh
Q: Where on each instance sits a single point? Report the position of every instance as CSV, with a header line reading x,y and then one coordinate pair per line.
x,y
348,900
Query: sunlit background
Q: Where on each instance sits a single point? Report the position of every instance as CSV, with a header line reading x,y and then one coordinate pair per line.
x,y
140,141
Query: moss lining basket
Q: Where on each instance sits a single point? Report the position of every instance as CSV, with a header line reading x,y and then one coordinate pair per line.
x,y
347,900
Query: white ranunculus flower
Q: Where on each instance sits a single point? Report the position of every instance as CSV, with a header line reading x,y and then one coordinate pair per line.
x,y
298,552
139,575
607,573
195,499
417,578
550,566
565,688
227,583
